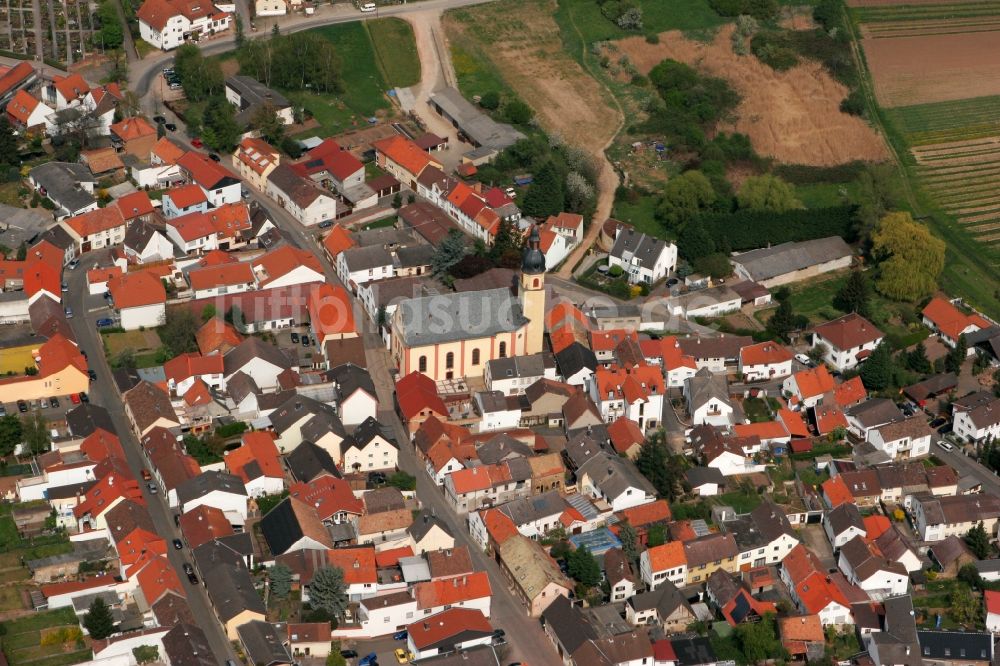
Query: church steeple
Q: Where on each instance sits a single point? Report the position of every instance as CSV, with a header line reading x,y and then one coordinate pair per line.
x,y
533,261
532,292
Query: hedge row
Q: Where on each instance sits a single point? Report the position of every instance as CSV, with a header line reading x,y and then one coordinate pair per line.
x,y
747,230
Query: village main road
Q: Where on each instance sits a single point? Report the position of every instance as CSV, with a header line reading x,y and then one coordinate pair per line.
x,y
104,393
143,73
526,642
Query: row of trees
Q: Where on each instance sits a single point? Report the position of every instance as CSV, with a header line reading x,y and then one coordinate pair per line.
x,y
31,431
305,61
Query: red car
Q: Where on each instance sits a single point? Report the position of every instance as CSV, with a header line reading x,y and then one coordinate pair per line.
x,y
197,143
75,398
146,475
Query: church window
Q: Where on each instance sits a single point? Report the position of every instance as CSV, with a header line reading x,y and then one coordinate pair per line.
x,y
422,364
475,357
503,350
449,360
534,283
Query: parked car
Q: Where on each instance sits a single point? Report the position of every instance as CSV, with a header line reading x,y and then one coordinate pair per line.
x,y
92,375
194,581
84,397
400,635
69,312
945,445
171,127
326,224
74,398
348,654
146,476
159,120
370,659
188,569
214,157
196,142
938,422
104,322
305,340
401,656
152,488
53,402
22,406
73,264
65,287
178,544
499,633
295,337
803,359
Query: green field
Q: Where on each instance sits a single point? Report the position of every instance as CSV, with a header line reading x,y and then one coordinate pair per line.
x,y
476,74
21,640
365,86
926,12
657,16
395,51
641,215
941,122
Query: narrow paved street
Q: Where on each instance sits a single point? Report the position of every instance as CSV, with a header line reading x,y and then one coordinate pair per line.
x,y
103,393
966,466
527,642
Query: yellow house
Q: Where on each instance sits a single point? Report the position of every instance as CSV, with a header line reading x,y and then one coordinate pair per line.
x,y
61,370
447,336
255,159
233,596
710,553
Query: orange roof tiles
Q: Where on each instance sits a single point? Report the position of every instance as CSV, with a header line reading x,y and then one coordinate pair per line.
x,y
157,578
634,384
21,106
499,525
42,277
813,382
606,341
203,524
847,393
793,422
198,394
836,492
135,205
391,557
405,153
416,392
103,274
330,310
190,364
625,434
950,320
278,263
202,170
15,76
93,583
338,240
71,87
96,221
217,336
875,526
101,444
667,556
257,154
447,624
358,564
765,353
133,128
137,543
437,593
647,514
221,276
829,418
850,331
329,496
136,290
186,196
115,481
58,353
766,430
167,151
257,447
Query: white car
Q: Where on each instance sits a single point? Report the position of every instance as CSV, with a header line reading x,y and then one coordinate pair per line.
x,y
945,445
804,360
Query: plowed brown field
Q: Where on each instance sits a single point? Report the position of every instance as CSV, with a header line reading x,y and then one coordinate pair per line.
x,y
793,116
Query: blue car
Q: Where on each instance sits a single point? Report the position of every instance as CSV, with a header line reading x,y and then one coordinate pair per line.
x,y
369,660
102,323
400,635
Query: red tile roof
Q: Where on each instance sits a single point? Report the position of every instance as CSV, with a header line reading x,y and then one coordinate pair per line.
x,y
765,353
71,87
217,336
257,447
94,583
21,106
416,392
338,240
837,492
257,154
667,556
115,481
329,496
850,392
949,320
405,153
829,418
449,592
851,330
606,341
329,156
101,444
167,151
135,204
499,526
186,196
203,524
875,526
992,599
96,221
137,543
625,434
633,384
358,564
766,430
330,310
391,557
190,364
278,263
793,422
813,382
647,514
133,128
136,290
157,578
221,276
202,170
15,76
447,624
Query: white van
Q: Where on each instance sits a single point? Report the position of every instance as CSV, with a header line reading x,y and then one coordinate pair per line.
x,y
368,7
945,445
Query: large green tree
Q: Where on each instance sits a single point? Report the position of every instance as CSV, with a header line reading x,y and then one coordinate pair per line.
x,y
956,356
449,252
545,195
978,541
759,640
98,621
664,468
328,592
280,577
9,153
269,124
855,295
220,130
178,333
909,258
767,193
917,360
583,567
783,321
684,197
112,34
11,434
201,77
36,433
630,543
876,372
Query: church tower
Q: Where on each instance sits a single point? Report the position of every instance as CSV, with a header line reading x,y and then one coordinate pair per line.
x,y
531,293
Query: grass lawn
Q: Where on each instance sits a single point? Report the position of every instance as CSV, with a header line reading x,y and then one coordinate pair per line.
x,y
815,301
364,85
383,223
641,214
756,410
742,502
372,171
39,621
657,16
825,195
10,598
475,72
9,194
395,51
137,341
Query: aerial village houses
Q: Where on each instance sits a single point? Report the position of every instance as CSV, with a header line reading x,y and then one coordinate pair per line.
x,y
166,24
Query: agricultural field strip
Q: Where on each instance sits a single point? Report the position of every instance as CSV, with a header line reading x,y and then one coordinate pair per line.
x,y
892,31
925,12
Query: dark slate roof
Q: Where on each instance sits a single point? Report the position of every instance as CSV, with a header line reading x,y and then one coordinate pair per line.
x,y
84,419
308,461
263,644
368,430
875,412
575,358
57,236
634,246
280,527
845,516
298,407
232,592
252,348
698,476
215,553
665,599
208,482
956,645
423,524
186,645
568,624
693,651
350,378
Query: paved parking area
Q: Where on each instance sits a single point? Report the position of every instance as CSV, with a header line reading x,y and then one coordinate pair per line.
x,y
814,537
305,353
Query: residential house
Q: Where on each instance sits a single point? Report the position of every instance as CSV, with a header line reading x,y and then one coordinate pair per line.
x,y
166,24
950,323
262,644
865,417
842,524
133,136
615,480
764,536
643,258
535,577
793,261
181,201
635,392
402,158
30,114
249,96
618,573
937,518
219,489
847,340
808,387
872,572
70,187
451,631
663,606
218,184
140,299
306,201
368,448
976,417
707,396
904,439
254,160
258,463
765,361
666,563
294,525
